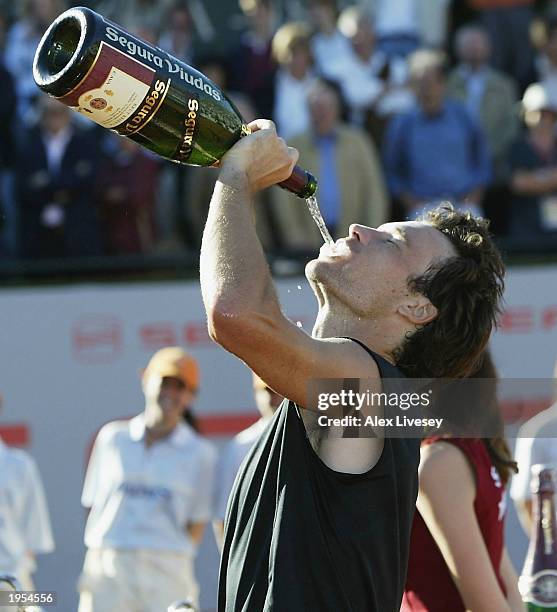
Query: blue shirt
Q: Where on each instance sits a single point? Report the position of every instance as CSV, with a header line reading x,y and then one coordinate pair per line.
x,y
444,156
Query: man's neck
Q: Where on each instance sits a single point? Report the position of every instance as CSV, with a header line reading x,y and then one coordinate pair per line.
x,y
334,320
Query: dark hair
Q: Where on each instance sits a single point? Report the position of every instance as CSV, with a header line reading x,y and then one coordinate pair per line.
x,y
497,446
466,290
472,405
189,417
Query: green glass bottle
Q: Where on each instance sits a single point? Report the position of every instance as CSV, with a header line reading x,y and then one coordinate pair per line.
x,y
125,84
538,582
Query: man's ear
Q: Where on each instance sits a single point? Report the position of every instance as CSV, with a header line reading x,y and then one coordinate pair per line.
x,y
417,310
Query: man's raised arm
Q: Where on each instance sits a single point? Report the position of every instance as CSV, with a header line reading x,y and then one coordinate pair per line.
x,y
243,310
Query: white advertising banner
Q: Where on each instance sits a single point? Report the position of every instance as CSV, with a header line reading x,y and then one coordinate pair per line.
x,y
72,358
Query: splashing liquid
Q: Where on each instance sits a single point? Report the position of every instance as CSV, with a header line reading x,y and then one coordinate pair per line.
x,y
318,218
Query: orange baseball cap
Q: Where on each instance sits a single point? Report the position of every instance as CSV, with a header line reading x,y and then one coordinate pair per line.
x,y
175,362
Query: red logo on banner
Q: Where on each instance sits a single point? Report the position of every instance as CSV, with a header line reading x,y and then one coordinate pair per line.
x,y
153,336
549,317
518,319
15,434
156,335
526,319
96,338
196,334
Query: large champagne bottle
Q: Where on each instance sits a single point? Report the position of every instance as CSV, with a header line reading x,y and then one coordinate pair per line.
x,y
538,582
124,84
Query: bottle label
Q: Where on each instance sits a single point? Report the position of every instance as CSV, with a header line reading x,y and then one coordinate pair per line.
x,y
118,92
539,589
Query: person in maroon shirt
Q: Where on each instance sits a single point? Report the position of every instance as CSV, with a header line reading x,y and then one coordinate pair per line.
x,y
126,199
458,559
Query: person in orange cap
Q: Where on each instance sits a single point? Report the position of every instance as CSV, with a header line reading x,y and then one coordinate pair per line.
x,y
149,487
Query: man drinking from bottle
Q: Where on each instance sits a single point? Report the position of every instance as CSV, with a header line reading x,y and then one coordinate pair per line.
x,y
318,522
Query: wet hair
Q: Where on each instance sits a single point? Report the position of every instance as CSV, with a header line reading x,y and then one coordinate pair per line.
x,y
466,290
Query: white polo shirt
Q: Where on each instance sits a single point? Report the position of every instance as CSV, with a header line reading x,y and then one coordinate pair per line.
x,y
535,444
143,498
24,521
231,459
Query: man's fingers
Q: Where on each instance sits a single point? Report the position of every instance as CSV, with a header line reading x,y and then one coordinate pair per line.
x,y
294,155
262,124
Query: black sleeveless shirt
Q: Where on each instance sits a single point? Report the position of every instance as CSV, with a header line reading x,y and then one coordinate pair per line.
x,y
301,537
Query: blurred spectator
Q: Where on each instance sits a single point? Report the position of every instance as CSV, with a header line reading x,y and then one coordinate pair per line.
x,y
436,151
8,228
252,69
329,46
233,455
533,211
214,67
397,26
346,164
434,22
144,31
372,82
459,524
8,13
127,189
491,98
508,24
21,43
24,521
546,62
4,21
178,36
136,14
56,173
535,444
185,191
149,485
292,52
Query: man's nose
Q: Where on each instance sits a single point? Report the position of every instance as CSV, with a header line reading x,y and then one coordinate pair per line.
x,y
365,234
